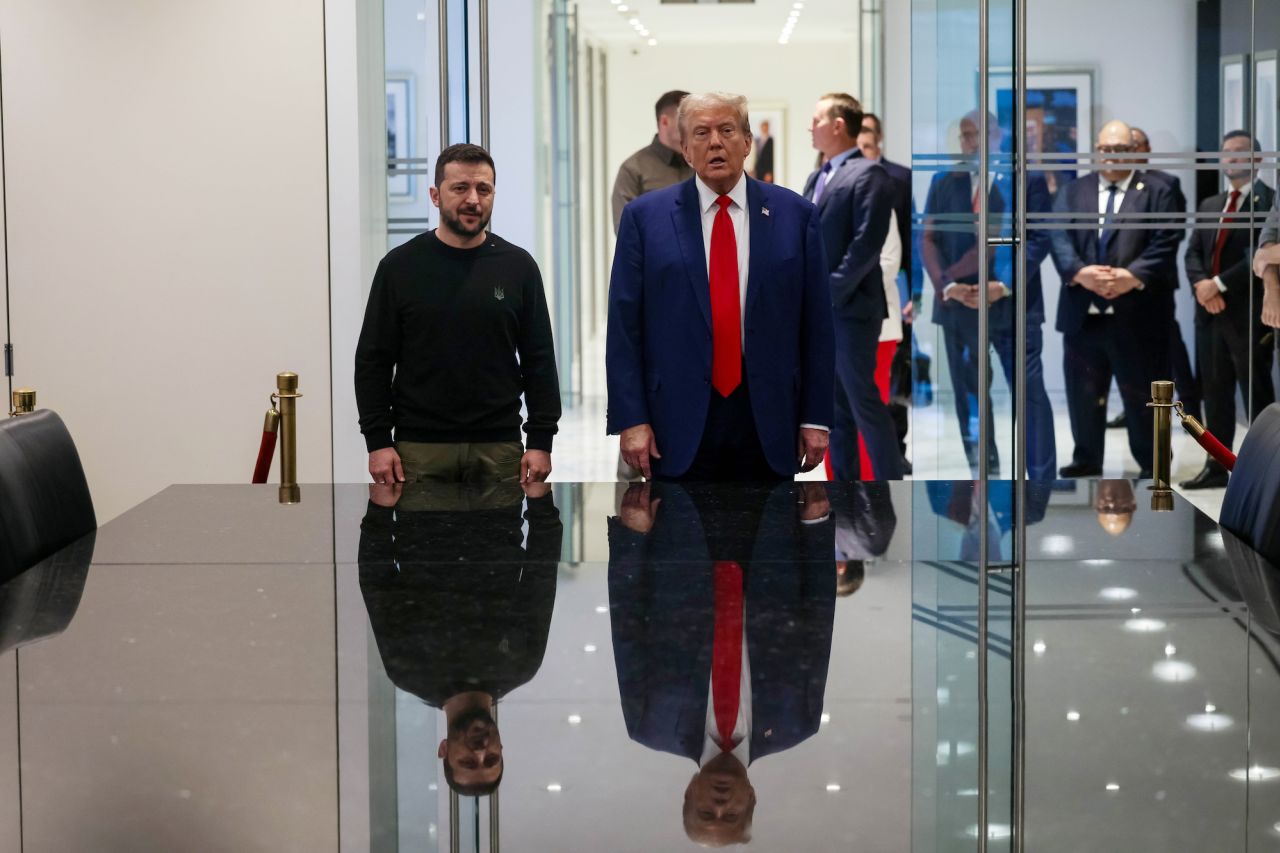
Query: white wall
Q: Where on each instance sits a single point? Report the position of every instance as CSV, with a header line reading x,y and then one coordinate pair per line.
x,y
167,230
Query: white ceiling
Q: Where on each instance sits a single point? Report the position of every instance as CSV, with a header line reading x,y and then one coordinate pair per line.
x,y
730,23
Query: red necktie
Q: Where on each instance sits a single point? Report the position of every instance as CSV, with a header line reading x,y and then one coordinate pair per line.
x,y
726,650
1222,233
726,307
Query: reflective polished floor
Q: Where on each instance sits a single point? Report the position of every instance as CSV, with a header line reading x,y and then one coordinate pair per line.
x,y
217,671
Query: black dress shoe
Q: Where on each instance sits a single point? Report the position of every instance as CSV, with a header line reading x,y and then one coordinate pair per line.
x,y
1210,477
1117,422
1077,470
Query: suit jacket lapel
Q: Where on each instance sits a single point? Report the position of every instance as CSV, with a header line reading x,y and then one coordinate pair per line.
x,y
687,219
761,239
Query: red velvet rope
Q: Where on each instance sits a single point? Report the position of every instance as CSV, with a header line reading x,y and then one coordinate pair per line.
x,y
1216,449
266,453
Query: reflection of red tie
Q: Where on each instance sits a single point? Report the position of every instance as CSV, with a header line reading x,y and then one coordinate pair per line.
x,y
726,307
1222,233
726,650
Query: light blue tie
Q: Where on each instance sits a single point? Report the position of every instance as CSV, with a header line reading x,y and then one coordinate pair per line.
x,y
822,182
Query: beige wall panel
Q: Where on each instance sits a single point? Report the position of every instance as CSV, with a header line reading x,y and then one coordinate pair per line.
x,y
168,230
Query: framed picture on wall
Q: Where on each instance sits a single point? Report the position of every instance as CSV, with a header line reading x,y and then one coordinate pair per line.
x,y
1266,107
1060,111
767,160
1233,93
399,136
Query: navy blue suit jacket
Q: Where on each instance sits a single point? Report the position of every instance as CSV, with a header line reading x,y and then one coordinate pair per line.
x,y
663,621
950,247
855,206
658,345
1150,253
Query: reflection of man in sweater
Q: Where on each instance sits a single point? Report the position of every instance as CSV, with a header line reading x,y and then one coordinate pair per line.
x,y
460,604
456,330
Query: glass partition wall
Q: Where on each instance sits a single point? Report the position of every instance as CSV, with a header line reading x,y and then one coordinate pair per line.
x,y
1092,184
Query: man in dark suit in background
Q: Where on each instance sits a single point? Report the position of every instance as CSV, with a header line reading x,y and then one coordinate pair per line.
x,y
1115,310
949,253
855,199
460,603
1230,351
719,351
722,602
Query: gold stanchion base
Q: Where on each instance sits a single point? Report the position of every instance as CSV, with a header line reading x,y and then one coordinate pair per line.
x,y
1161,500
291,494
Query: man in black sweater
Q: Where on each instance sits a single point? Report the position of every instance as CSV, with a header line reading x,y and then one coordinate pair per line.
x,y
456,330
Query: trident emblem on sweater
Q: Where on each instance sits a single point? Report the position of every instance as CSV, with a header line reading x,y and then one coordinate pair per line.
x,y
499,293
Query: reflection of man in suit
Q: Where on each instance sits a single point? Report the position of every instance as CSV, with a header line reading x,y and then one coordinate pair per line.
x,y
722,604
855,200
1116,307
764,155
1230,352
865,521
949,252
460,604
719,353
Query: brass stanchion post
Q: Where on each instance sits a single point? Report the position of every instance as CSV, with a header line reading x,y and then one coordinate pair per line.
x,y
23,403
1162,462
287,394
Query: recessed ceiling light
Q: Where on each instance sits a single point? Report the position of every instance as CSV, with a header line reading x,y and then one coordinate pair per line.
x,y
799,6
1039,647
1073,716
554,788
589,648
1209,722
1209,709
1170,650
634,21
422,16
1144,626
1256,773
623,8
826,718
1112,786
1118,593
833,788
600,608
574,719
653,42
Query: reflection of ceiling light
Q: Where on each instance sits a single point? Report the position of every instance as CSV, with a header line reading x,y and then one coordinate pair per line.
x,y
1174,671
589,648
1135,610
944,695
994,830
633,21
422,16
1209,709
964,748
1256,773
623,8
1039,647
782,40
1096,562
653,42
1170,650
1073,716
826,718
600,608
833,788
1144,626
1112,786
1057,544
799,5
615,2
1210,722
967,792
574,719
554,788
1118,593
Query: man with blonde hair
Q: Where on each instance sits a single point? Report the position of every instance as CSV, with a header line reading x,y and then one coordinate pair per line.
x,y
720,351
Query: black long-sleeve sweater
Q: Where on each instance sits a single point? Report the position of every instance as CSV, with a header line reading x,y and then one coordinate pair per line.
x,y
451,339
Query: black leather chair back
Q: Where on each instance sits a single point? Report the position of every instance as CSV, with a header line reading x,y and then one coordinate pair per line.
x,y
44,499
1251,509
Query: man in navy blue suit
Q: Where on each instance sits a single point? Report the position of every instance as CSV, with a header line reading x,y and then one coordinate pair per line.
x,y
855,199
1115,310
949,252
719,352
722,602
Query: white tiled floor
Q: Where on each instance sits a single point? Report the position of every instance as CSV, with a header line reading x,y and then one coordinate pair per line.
x,y
585,454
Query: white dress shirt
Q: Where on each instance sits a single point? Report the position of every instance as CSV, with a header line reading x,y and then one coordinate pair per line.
x,y
741,233
890,263
742,727
1104,193
1245,191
